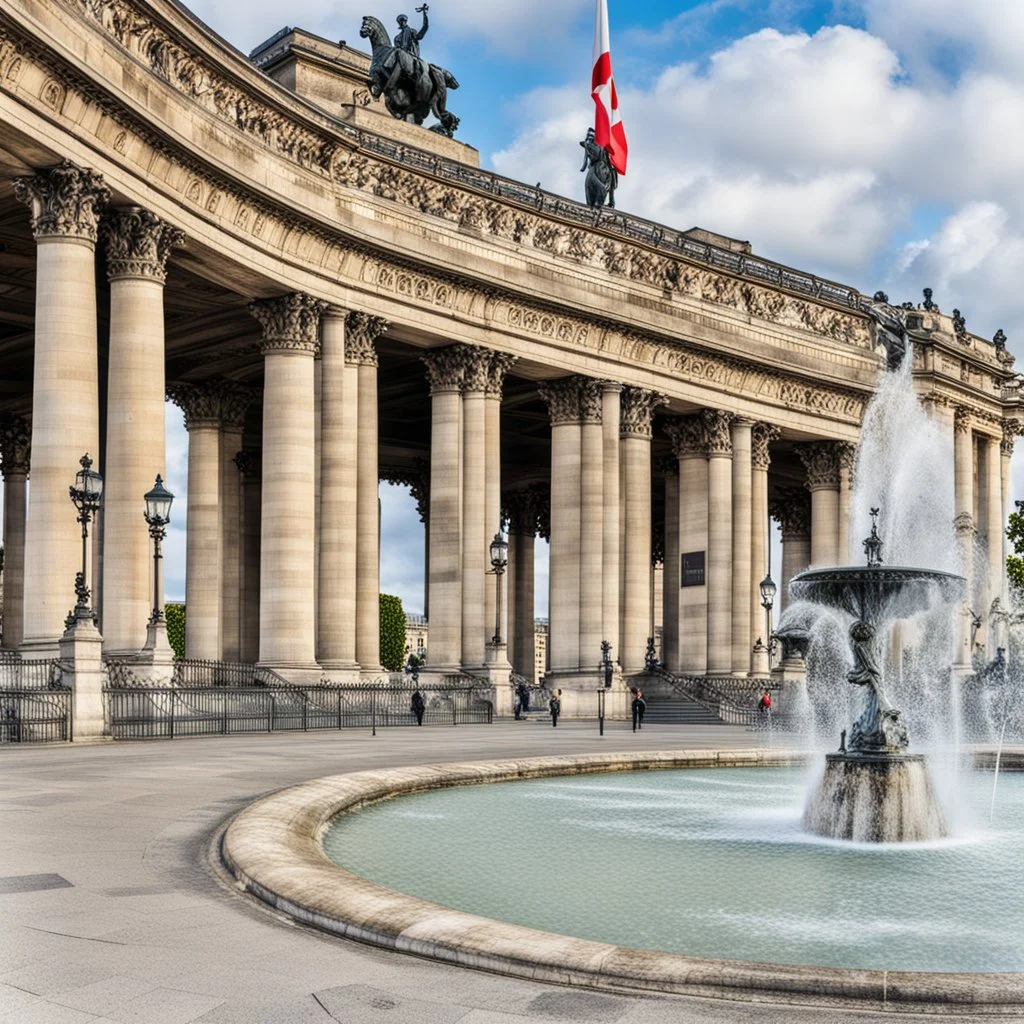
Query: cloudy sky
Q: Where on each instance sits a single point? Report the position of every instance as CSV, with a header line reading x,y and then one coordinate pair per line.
x,y
874,141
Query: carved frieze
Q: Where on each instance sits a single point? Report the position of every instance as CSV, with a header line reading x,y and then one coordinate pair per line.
x,y
761,437
138,243
688,436
66,201
638,407
821,460
790,507
716,429
15,444
361,333
291,323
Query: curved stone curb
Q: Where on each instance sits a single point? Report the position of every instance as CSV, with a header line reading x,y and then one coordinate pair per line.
x,y
273,848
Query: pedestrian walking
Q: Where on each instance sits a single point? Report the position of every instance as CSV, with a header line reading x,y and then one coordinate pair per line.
x,y
639,707
555,707
419,705
764,707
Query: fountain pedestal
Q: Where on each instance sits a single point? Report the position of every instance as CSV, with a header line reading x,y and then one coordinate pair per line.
x,y
875,798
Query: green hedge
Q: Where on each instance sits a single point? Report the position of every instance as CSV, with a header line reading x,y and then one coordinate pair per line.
x,y
392,633
175,615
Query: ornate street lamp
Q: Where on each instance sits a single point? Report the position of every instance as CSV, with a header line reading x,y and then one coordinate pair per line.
x,y
499,562
86,494
158,515
768,591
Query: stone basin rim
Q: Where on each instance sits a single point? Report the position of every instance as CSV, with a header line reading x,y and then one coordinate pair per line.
x,y
273,850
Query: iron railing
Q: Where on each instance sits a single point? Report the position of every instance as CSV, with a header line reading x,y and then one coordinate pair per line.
x,y
35,716
734,701
167,712
25,674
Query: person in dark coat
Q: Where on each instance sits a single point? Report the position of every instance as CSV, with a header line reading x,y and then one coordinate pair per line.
x,y
639,707
419,705
524,698
555,707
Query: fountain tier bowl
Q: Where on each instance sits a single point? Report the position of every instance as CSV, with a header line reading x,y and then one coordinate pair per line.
x,y
878,593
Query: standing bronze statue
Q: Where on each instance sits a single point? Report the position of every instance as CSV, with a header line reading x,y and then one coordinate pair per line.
x,y
602,179
412,88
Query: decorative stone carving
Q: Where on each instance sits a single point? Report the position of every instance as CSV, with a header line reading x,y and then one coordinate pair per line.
x,y
291,323
501,363
761,437
716,429
361,333
418,482
1011,431
668,465
638,407
688,436
791,508
478,369
446,368
821,460
249,463
138,244
235,401
847,455
522,509
15,444
66,201
590,401
200,402
562,398
961,420
544,512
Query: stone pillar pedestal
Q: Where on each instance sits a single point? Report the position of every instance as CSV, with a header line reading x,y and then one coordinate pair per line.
x,y
81,648
498,672
14,464
155,662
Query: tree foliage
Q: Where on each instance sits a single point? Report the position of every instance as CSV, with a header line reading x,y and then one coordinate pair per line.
x,y
1015,562
175,615
392,633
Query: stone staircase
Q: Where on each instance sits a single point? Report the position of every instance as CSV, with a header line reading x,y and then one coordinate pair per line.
x,y
678,710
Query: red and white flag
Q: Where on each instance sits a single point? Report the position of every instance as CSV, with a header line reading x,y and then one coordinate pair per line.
x,y
607,125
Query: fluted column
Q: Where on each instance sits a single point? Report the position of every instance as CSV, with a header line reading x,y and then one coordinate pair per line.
x,y
742,525
635,432
445,371
821,460
563,401
670,576
847,454
291,326
249,465
138,244
963,487
761,438
591,524
690,447
204,557
791,507
610,557
361,334
15,446
720,542
235,401
65,202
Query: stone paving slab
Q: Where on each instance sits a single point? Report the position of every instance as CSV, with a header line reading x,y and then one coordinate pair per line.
x,y
224,959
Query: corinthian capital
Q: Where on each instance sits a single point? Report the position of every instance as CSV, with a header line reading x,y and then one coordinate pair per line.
x,y
138,244
821,460
1011,431
15,444
716,426
66,201
562,398
478,369
961,420
791,507
523,508
249,463
446,368
501,363
200,402
361,334
638,408
591,401
291,323
235,399
761,438
688,436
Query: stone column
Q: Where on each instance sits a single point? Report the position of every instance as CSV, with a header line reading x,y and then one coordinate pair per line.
x,y
821,460
591,525
670,576
742,543
522,530
138,244
963,487
761,438
361,334
690,447
637,415
235,401
720,543
791,506
291,327
15,446
204,557
445,371
610,426
993,526
499,365
847,461
66,202
249,465
1011,430
563,401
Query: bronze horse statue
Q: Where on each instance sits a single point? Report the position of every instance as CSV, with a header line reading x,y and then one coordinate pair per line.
x,y
410,86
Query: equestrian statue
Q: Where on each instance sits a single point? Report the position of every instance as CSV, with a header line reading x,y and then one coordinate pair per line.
x,y
411,87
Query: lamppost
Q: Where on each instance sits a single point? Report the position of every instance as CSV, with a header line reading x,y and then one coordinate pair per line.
x,y
768,592
86,494
499,562
158,515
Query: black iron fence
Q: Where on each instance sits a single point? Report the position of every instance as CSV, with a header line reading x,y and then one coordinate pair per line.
x,y
35,716
167,712
21,674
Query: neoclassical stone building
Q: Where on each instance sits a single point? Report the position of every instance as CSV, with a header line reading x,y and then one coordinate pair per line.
x,y
334,297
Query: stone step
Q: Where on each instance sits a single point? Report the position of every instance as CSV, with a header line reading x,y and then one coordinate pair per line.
x,y
680,711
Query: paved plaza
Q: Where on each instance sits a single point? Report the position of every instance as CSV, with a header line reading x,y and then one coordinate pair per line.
x,y
112,911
